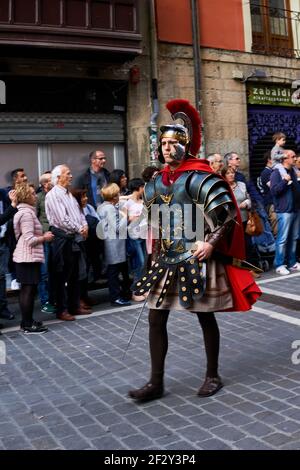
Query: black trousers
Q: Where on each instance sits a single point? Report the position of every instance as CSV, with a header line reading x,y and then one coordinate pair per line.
x,y
66,282
158,342
116,287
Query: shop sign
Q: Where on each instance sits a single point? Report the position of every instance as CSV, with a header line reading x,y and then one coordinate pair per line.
x,y
270,94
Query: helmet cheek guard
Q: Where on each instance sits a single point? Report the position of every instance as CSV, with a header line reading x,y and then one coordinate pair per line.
x,y
160,154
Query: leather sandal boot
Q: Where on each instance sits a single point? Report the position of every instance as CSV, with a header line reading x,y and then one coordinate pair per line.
x,y
148,392
210,386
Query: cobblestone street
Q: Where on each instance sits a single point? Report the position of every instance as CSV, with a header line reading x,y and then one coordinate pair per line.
x,y
67,389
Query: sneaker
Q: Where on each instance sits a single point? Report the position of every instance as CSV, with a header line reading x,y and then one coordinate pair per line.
x,y
295,268
282,270
15,285
48,308
121,302
36,328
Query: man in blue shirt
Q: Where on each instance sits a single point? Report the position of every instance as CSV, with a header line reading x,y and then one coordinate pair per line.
x,y
95,178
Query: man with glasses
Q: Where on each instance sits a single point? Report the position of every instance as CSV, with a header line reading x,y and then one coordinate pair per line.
x,y
95,178
286,197
232,159
216,162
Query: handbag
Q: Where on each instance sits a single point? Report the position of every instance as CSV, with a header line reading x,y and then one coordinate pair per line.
x,y
254,225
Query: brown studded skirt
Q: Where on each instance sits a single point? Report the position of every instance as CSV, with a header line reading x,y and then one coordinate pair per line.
x,y
217,296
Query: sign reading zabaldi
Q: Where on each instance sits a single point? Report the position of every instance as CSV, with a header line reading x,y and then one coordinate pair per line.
x,y
270,94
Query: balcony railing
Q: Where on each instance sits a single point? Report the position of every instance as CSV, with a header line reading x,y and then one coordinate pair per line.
x,y
109,25
275,31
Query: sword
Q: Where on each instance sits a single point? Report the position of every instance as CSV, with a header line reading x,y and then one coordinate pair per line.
x,y
239,263
243,264
134,328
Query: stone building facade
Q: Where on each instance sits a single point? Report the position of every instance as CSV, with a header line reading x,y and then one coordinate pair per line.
x,y
228,71
112,101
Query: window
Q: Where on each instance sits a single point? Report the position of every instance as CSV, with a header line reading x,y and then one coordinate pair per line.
x,y
272,27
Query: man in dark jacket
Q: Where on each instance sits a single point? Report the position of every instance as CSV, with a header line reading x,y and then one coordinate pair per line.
x,y
264,185
286,195
95,178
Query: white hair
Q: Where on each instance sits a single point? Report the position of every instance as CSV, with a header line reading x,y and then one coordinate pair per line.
x,y
55,173
44,178
211,157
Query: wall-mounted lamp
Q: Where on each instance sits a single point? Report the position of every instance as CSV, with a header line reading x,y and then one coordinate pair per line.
x,y
295,84
256,73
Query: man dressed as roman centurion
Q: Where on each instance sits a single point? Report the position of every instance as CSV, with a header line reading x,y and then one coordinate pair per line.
x,y
200,263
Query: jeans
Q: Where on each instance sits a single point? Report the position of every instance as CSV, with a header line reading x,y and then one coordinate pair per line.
x,y
43,287
137,256
3,271
286,241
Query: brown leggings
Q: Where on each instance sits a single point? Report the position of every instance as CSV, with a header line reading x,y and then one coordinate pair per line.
x,y
158,340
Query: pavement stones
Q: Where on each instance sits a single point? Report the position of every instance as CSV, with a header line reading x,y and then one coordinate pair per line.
x,y
67,389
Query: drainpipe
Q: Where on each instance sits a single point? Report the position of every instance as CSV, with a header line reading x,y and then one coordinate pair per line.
x,y
153,128
197,65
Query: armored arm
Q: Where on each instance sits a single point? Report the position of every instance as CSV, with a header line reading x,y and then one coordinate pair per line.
x,y
211,194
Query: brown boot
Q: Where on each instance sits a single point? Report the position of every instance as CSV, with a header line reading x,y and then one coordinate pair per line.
x,y
148,392
210,386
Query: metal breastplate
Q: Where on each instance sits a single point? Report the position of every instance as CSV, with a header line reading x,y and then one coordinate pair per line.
x,y
176,262
199,191
178,214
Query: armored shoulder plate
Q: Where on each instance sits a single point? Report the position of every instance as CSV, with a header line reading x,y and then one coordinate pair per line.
x,y
211,192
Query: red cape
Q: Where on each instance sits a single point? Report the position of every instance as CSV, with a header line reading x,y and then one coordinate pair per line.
x,y
245,291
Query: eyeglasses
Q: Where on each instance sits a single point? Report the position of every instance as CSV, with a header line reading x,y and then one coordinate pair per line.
x,y
102,158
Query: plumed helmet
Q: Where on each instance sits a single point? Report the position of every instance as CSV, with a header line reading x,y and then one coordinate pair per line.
x,y
187,135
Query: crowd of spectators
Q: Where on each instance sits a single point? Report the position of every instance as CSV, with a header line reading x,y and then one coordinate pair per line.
x,y
57,239
60,237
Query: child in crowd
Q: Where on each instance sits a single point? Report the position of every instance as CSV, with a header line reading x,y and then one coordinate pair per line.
x,y
277,153
279,139
113,230
136,244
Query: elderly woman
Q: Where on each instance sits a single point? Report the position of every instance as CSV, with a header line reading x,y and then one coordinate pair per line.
x,y
240,192
244,203
29,254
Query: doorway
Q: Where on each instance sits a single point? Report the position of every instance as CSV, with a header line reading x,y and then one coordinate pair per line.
x,y
263,122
